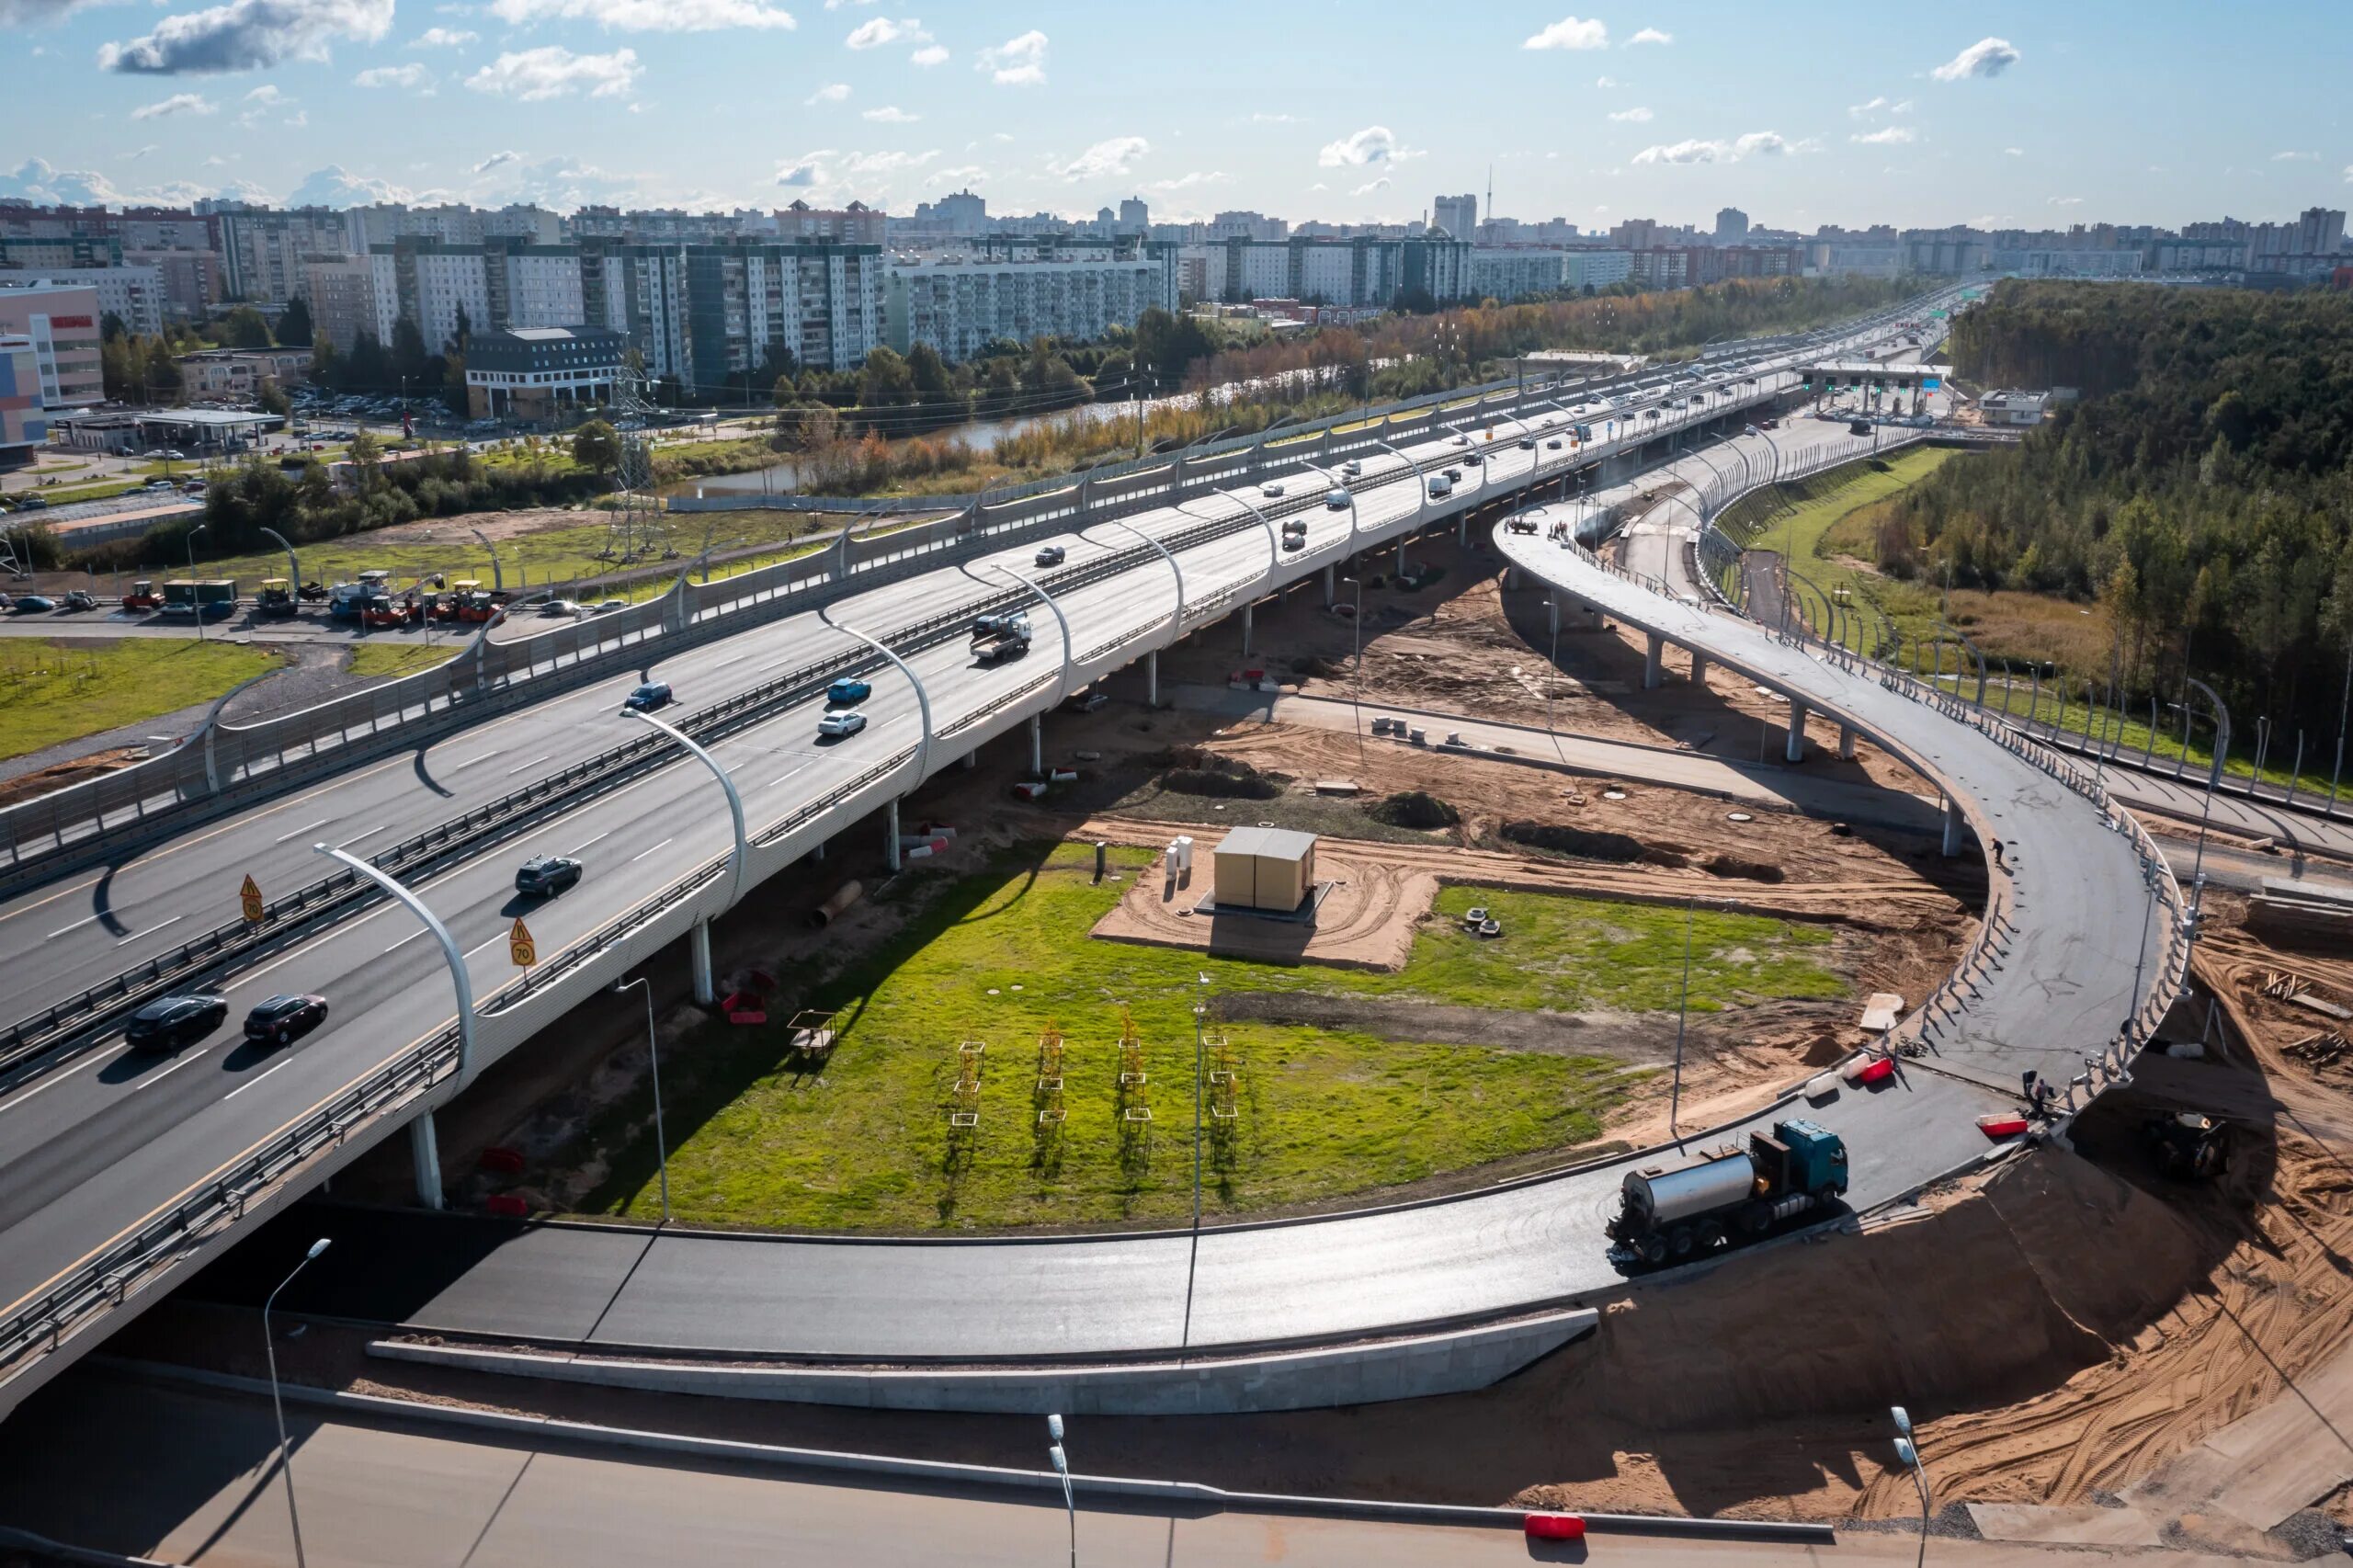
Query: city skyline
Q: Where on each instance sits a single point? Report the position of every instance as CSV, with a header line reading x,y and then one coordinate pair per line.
x,y
2009,118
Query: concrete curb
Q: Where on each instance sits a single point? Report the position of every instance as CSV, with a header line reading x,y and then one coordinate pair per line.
x,y
1457,1362
1186,1494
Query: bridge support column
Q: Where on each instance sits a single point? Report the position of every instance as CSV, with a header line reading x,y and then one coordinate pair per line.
x,y
698,958
1699,667
1037,742
1152,678
1846,742
1246,610
1331,584
1795,752
971,760
891,834
1952,826
424,1152
818,853
1401,555
1652,672
1463,530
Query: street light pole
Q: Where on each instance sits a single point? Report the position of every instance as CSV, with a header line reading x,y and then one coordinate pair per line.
x,y
1908,1450
653,1055
198,601
277,1403
1061,1467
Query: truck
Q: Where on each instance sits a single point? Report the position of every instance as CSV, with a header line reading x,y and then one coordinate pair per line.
x,y
274,599
1731,1194
996,637
211,598
345,601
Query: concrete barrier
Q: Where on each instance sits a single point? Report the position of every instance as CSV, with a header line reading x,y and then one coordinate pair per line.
x,y
1457,1361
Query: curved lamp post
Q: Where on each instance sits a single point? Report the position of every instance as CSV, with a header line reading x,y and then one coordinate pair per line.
x,y
1069,648
734,800
458,979
923,698
1177,622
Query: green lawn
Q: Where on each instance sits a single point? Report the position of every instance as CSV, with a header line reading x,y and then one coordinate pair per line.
x,y
385,660
53,692
1823,518
1324,1112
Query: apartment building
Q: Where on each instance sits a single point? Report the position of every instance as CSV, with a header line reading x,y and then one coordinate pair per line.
x,y
341,293
959,303
444,290
61,323
856,224
263,251
749,304
1364,270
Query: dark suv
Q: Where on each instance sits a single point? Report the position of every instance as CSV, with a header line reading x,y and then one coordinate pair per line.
x,y
543,876
170,1022
282,1021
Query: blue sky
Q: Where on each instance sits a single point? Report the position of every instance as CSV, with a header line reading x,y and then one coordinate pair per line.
x,y
1349,110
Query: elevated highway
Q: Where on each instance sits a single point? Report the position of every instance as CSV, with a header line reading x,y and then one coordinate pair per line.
x,y
118,1173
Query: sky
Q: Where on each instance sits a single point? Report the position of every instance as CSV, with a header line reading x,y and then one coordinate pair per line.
x,y
1347,110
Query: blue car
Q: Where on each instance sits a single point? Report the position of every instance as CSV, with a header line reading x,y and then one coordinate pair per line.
x,y
844,693
652,695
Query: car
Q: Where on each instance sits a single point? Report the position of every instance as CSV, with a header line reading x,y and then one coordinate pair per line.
x,y
607,607
175,457
848,693
1084,701
1462,440
1049,555
169,1022
32,503
557,607
1337,499
544,876
1272,490
647,698
1474,458
840,721
195,487
1528,443
81,599
159,483
1554,444
282,1021
33,604
1859,428
1352,469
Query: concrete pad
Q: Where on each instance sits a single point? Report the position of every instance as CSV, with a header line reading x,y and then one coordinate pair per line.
x,y
2265,1466
1880,1011
2065,1527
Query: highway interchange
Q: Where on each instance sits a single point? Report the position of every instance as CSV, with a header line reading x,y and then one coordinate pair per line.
x,y
87,1150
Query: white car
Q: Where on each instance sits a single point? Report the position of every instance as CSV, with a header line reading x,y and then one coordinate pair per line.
x,y
1272,490
1463,440
1352,469
563,608
841,721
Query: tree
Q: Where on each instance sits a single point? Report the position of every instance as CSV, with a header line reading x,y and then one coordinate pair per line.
x,y
294,328
884,380
244,328
366,457
597,447
929,375
414,371
367,367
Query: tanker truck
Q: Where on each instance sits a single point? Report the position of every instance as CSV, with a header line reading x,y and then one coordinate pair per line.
x,y
1732,1195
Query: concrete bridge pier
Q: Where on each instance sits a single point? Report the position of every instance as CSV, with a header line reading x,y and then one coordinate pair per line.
x,y
1846,742
424,1153
1552,614
1653,672
1152,678
1247,618
699,961
971,759
1795,752
1952,826
1037,742
891,834
1699,667
1331,584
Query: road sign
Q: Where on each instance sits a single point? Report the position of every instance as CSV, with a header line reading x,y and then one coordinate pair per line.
x,y
520,946
249,896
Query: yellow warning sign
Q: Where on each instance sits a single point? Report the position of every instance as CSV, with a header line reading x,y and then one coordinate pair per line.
x,y
519,947
250,897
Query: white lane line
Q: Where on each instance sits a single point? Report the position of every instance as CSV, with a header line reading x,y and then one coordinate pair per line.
x,y
232,1094
642,855
150,1083
586,842
301,830
75,927
533,762
53,1079
483,757
411,936
152,929
358,836
480,946
771,783
246,980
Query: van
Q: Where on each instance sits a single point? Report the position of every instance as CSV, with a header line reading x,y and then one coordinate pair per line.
x,y
1441,487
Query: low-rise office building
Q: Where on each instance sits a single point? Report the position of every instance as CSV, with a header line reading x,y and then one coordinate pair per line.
x,y
535,371
240,372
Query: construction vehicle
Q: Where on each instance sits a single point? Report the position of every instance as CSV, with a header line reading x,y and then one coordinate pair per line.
x,y
211,599
383,612
349,601
274,599
142,596
996,637
2189,1146
1731,1194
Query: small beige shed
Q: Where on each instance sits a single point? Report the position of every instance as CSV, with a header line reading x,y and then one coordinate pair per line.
x,y
1264,867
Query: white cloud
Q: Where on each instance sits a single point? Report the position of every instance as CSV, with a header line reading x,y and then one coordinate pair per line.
x,y
1264,118
554,72
929,55
1373,144
1632,116
247,35
178,103
2014,151
831,93
1859,110
1650,35
391,76
1371,185
37,180
648,16
560,183
36,13
1986,57
1605,82
1887,136
1018,61
1755,144
877,31
1106,159
266,94
498,160
2066,201
809,169
1569,33
334,186
2295,157
891,114
1191,181
443,38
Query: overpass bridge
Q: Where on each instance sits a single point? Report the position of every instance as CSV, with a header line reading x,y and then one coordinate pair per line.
x,y
118,1174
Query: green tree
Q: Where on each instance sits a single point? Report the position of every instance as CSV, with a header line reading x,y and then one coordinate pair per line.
x,y
884,380
367,459
244,328
597,447
294,326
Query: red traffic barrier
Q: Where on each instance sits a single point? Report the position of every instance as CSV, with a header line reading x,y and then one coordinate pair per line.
x,y
501,1159
737,1000
746,1016
2002,1124
507,1205
1869,1070
759,981
1555,1527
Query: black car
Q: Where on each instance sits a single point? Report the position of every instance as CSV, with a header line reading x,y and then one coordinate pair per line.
x,y
282,1021
169,1022
546,875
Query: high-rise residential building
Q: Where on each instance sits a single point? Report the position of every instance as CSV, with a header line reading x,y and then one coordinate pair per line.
x,y
1731,226
191,279
444,290
856,224
341,293
957,212
62,322
263,251
1457,215
1135,217
1363,270
959,301
1240,225
752,305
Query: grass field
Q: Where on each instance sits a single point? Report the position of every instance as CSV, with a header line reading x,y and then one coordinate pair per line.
x,y
53,692
1324,1112
383,661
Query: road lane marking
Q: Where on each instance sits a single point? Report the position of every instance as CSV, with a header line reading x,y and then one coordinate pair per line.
x,y
480,946
478,756
147,1083
152,929
282,1061
303,829
586,842
533,762
642,855
771,783
75,927
358,836
52,1080
411,936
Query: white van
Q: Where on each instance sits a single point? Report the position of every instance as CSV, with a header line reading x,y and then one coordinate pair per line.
x,y
1441,487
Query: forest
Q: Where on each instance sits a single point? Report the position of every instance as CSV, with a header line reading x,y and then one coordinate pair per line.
x,y
2199,488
